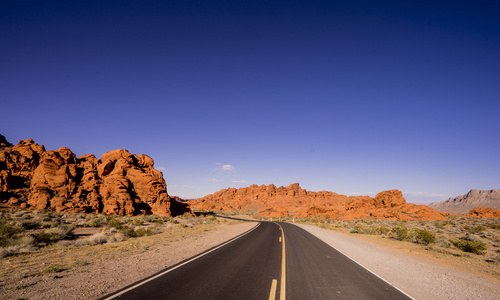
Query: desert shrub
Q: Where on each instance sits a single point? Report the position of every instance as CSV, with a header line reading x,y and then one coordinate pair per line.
x,y
112,222
116,237
137,222
130,232
106,236
50,236
53,235
423,236
371,230
31,223
382,229
82,223
97,221
356,229
439,224
468,245
149,218
98,238
69,219
158,221
21,244
494,226
8,229
127,231
49,224
53,269
399,232
143,232
475,229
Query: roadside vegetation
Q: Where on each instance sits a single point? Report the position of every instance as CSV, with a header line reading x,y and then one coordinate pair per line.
x,y
457,236
36,246
25,231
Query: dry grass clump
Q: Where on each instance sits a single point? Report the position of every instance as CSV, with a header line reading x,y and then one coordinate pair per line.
x,y
24,231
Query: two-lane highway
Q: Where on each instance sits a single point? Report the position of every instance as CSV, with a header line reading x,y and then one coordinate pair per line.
x,y
271,261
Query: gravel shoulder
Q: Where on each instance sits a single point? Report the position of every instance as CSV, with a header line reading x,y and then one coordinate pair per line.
x,y
92,272
420,276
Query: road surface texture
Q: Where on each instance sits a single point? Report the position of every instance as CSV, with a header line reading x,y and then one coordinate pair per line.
x,y
271,261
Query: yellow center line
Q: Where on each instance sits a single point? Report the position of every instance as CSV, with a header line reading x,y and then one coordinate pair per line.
x,y
283,266
272,294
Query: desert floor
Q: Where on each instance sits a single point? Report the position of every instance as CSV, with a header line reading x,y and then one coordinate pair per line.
x,y
90,272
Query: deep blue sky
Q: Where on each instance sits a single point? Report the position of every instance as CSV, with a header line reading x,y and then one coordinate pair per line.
x,y
353,97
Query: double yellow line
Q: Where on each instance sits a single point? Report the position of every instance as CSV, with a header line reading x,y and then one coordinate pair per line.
x,y
272,294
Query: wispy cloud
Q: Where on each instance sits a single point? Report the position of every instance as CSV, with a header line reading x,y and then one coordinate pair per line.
x,y
240,181
213,180
162,169
224,167
227,168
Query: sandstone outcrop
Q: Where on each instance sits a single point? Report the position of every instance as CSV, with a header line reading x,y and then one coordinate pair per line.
x,y
484,212
119,183
293,201
464,203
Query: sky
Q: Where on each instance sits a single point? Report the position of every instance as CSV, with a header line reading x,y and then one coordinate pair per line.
x,y
354,97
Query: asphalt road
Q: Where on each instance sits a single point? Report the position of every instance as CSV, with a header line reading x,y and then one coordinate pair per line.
x,y
272,261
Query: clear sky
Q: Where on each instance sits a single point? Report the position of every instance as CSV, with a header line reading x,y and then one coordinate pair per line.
x,y
354,97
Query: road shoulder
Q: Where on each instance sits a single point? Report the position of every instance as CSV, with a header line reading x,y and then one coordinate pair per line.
x,y
419,278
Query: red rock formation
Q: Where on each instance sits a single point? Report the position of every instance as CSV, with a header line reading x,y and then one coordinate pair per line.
x,y
484,212
16,166
119,183
53,182
292,200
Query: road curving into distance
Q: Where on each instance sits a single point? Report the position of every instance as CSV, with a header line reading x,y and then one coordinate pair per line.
x,y
274,260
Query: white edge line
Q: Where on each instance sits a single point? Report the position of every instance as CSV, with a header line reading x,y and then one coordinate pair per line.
x,y
361,265
180,265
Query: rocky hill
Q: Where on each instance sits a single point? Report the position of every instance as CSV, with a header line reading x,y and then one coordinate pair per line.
x,y
465,203
484,212
119,183
293,201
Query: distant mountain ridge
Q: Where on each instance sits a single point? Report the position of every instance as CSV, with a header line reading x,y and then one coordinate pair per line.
x,y
473,199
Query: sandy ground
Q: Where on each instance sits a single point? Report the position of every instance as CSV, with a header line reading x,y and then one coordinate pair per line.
x,y
418,275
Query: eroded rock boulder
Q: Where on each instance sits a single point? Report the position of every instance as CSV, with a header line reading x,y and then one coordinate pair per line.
x,y
53,182
119,183
484,212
